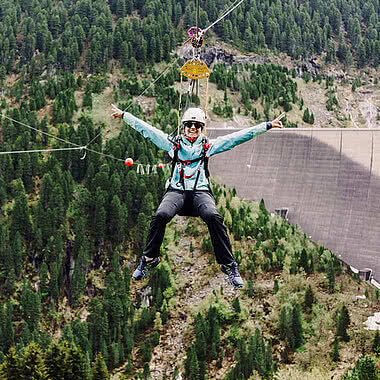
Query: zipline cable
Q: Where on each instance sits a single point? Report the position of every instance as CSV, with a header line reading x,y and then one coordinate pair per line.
x,y
223,16
42,132
78,147
42,150
130,105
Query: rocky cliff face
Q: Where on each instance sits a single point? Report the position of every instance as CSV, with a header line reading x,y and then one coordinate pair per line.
x,y
218,55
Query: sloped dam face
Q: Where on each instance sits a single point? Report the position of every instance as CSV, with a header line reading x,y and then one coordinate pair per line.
x,y
329,179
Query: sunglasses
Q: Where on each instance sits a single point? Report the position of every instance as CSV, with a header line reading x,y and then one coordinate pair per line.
x,y
189,124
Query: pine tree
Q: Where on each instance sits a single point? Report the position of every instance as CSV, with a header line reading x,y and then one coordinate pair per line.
x,y
79,276
275,286
236,305
44,280
376,342
31,306
115,223
18,254
366,368
296,325
146,351
12,367
308,299
283,323
8,333
343,323
335,357
164,312
192,364
53,285
331,277
100,215
33,364
87,98
99,371
251,291
21,220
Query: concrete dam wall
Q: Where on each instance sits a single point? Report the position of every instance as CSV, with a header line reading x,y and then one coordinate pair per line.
x,y
329,179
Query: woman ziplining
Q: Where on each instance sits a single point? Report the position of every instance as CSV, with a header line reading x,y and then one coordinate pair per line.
x,y
188,188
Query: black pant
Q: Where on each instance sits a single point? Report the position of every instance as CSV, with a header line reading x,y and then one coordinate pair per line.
x,y
195,203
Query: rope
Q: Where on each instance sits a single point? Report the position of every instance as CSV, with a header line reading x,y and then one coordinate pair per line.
x,y
42,150
104,154
130,105
77,147
223,16
206,107
179,107
42,132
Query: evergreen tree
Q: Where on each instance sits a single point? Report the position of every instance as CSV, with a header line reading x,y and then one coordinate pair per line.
x,y
99,371
296,325
335,357
44,280
164,312
376,342
236,305
331,277
53,286
21,220
283,323
192,364
31,308
8,331
12,367
251,291
275,286
342,324
18,254
308,299
79,276
33,364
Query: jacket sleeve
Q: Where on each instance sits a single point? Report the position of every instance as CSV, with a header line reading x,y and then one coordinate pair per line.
x,y
227,142
149,132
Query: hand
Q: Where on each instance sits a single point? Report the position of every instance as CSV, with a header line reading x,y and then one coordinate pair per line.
x,y
117,113
276,123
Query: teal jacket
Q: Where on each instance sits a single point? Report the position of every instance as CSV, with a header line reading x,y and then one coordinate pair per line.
x,y
190,151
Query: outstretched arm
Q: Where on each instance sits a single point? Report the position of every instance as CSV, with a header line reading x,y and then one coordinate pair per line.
x,y
227,142
151,133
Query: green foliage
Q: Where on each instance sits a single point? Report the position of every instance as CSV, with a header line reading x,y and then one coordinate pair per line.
x,y
308,116
376,342
275,286
290,327
253,355
99,371
335,356
267,81
308,299
343,323
365,369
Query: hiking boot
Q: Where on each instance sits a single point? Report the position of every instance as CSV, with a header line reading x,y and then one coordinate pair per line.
x,y
233,275
144,267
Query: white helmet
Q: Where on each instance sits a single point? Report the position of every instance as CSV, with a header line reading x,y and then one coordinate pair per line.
x,y
194,114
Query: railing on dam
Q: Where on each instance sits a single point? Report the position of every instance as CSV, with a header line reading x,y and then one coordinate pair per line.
x,y
328,179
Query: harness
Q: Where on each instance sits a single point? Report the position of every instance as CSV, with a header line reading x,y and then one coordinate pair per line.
x,y
203,158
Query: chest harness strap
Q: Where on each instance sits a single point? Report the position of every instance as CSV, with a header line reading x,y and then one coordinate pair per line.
x,y
181,163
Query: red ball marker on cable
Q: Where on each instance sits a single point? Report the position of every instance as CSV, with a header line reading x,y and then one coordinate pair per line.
x,y
128,162
161,165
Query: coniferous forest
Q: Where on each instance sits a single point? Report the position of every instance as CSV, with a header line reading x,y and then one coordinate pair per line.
x,y
74,218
